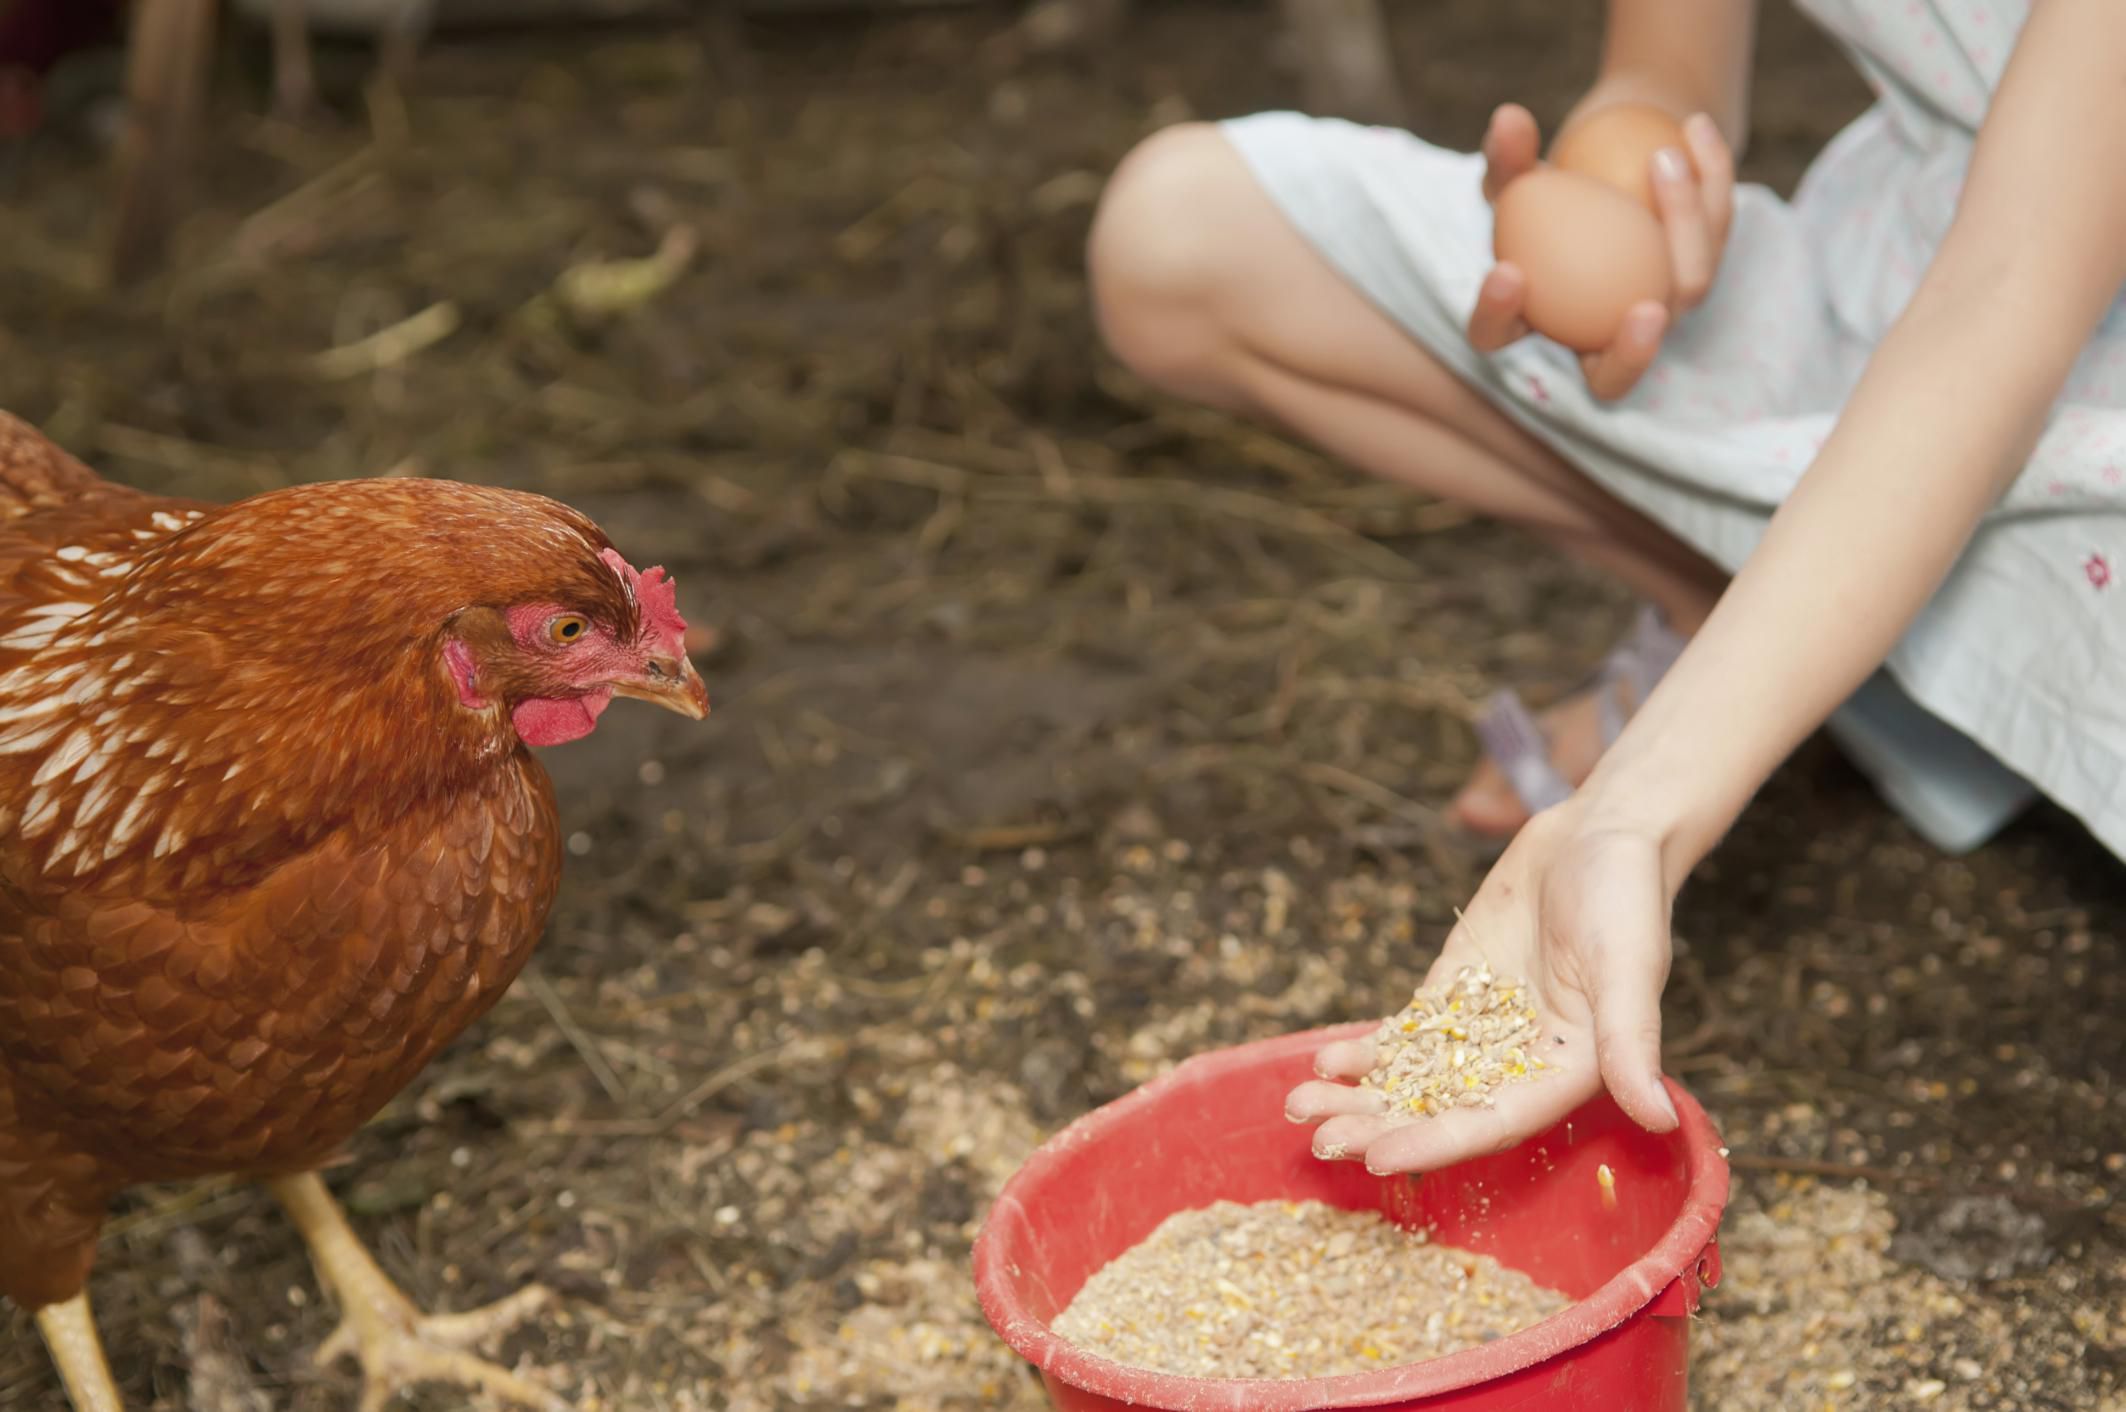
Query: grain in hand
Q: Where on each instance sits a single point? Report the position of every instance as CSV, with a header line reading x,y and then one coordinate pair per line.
x,y
1456,1046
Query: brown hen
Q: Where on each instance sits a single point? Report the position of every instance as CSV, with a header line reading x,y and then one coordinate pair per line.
x,y
270,836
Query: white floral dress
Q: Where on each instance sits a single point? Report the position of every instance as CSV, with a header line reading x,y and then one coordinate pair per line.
x,y
2024,647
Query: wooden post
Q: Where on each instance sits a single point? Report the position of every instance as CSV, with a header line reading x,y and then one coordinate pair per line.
x,y
169,60
1346,67
294,81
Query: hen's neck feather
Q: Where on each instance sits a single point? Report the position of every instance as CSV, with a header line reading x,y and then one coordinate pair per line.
x,y
194,697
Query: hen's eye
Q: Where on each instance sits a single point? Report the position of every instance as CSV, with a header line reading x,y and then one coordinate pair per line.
x,y
564,630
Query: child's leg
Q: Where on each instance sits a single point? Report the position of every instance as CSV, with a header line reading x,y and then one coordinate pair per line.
x,y
1205,289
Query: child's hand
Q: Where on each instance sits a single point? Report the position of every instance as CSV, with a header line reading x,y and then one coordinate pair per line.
x,y
1696,206
1578,909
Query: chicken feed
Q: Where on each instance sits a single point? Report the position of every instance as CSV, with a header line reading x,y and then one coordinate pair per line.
x,y
1456,1046
1283,1289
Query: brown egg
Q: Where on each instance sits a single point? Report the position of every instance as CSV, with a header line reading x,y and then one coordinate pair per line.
x,y
1589,253
1617,145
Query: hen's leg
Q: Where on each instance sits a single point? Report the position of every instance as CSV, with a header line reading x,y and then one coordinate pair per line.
x,y
396,1344
69,1331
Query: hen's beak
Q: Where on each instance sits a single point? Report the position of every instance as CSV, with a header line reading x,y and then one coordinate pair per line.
x,y
670,682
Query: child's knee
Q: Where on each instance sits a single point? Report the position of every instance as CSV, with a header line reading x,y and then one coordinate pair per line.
x,y
1157,253
1149,235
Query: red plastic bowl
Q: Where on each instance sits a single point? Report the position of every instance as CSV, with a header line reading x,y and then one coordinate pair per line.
x,y
1213,1129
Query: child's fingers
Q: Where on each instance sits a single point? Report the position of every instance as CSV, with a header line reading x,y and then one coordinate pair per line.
x,y
1496,321
1691,250
1617,369
1345,1059
1715,165
1512,144
1627,1016
1324,1098
1348,1138
1522,1111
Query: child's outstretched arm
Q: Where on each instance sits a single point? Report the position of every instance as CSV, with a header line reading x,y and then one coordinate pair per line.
x,y
1941,422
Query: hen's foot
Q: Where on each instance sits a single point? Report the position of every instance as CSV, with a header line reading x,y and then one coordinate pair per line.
x,y
396,1344
398,1347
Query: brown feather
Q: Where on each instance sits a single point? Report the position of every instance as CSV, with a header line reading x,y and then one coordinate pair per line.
x,y
257,862
36,475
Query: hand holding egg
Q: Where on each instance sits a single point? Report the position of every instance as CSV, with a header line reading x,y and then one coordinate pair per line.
x,y
1591,253
1600,247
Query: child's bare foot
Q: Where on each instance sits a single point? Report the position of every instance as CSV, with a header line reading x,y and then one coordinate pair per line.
x,y
1532,762
1488,804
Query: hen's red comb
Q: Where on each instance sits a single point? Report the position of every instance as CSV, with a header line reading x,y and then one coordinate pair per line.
x,y
658,598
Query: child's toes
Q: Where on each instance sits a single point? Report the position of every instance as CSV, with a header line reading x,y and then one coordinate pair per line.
x,y
1487,804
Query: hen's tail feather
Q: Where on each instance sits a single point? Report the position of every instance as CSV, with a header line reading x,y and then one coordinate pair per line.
x,y
36,475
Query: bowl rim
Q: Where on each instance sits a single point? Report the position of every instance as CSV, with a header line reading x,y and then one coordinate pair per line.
x,y
1676,1255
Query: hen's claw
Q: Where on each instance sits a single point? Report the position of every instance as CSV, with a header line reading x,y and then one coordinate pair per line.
x,y
397,1347
395,1343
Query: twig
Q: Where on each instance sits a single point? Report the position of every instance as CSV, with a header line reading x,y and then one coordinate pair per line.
x,y
1337,777
861,238
598,288
1425,819
1013,838
187,1205
1437,692
1474,940
270,225
1277,515
730,1074
543,991
191,457
684,1107
388,347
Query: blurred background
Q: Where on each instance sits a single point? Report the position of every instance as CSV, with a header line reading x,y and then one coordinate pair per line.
x,y
1061,731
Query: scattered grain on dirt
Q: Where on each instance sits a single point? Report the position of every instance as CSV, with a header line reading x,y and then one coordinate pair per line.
x,y
1284,1289
1814,1314
1456,1045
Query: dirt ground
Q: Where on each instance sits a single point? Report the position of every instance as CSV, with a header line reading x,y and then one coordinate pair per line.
x,y
1061,732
